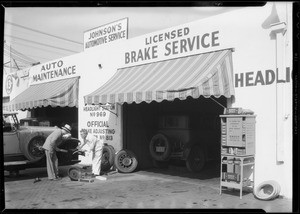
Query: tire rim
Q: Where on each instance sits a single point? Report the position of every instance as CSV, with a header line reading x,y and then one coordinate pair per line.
x,y
125,161
35,147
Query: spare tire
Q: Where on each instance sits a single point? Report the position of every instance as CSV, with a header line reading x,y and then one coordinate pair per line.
x,y
108,157
160,147
32,149
126,161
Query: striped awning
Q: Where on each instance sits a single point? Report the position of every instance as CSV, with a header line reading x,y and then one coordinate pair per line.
x,y
63,93
208,74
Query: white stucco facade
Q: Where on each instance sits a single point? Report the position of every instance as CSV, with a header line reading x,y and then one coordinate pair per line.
x,y
262,76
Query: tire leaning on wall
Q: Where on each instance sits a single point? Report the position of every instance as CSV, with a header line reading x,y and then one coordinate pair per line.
x,y
108,157
126,161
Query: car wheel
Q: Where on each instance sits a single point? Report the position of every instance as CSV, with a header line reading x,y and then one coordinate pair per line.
x,y
126,161
108,157
196,159
160,147
74,173
33,149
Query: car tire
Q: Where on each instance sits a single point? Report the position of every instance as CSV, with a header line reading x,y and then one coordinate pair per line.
x,y
160,141
32,149
126,161
108,157
196,159
267,190
74,173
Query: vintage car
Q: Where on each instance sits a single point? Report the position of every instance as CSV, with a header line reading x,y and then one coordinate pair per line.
x,y
23,144
177,139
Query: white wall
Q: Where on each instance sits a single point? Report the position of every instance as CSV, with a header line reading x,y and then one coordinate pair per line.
x,y
102,123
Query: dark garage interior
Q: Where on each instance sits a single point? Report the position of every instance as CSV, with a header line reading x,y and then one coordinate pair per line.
x,y
141,122
58,116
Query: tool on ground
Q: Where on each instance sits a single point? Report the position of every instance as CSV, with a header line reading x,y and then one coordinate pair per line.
x,y
86,180
80,172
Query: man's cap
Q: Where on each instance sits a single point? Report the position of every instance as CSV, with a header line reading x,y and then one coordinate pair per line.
x,y
67,128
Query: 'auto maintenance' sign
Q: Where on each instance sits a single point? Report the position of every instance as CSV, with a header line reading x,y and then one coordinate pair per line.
x,y
55,70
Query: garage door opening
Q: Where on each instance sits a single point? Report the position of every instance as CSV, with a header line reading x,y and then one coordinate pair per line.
x,y
175,126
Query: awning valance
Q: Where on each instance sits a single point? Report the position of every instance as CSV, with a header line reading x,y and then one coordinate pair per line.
x,y
63,93
208,74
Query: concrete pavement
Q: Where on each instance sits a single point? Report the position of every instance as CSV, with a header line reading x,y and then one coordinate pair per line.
x,y
147,189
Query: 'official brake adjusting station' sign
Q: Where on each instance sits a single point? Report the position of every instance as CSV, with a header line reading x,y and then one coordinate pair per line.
x,y
114,31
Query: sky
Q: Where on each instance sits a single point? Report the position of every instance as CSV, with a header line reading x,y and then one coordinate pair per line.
x,y
33,31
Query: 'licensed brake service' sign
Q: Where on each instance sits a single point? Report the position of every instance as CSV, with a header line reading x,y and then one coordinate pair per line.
x,y
114,31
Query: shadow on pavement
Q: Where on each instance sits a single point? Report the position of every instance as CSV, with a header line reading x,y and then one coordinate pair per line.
x,y
33,173
210,170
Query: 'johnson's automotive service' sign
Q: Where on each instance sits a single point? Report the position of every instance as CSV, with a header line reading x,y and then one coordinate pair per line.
x,y
105,34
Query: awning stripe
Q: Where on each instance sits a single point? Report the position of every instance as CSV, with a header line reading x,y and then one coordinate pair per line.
x,y
208,74
61,93
190,74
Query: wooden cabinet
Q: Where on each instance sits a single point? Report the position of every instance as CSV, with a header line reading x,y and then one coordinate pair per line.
x,y
237,152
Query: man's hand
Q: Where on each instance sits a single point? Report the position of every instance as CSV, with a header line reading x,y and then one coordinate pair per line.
x,y
66,136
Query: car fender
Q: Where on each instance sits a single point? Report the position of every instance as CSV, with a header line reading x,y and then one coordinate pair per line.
x,y
27,133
